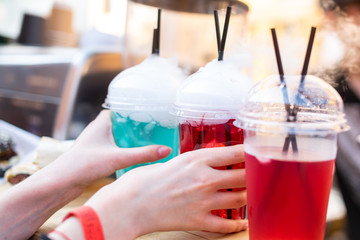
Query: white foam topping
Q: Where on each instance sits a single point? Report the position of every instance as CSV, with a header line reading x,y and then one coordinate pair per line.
x,y
152,82
146,91
219,86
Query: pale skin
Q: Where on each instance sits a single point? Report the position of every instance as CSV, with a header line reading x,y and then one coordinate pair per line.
x,y
27,205
177,195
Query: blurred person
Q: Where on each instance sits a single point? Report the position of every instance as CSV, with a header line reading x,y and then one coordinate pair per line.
x,y
344,17
177,195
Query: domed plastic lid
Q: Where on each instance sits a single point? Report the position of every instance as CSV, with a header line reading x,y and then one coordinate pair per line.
x,y
318,105
150,85
216,91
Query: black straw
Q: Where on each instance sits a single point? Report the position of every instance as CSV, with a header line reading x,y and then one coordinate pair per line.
x,y
277,53
217,28
304,70
223,39
291,137
281,71
308,51
155,49
221,42
221,47
158,30
156,35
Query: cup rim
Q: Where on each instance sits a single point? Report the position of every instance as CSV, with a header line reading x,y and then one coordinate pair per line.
x,y
202,112
136,107
298,127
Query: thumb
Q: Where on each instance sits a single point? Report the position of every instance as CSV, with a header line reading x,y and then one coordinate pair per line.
x,y
137,155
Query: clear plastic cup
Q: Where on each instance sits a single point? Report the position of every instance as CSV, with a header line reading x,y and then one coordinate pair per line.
x,y
288,187
140,99
206,106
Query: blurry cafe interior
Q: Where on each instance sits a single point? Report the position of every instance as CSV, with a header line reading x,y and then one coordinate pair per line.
x,y
58,57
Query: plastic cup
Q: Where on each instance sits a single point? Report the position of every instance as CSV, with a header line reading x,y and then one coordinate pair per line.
x,y
288,190
140,99
206,106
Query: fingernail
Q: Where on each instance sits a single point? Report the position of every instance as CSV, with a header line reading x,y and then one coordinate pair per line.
x,y
164,151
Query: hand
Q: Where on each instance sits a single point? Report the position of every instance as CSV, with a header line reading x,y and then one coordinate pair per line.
x,y
176,195
95,154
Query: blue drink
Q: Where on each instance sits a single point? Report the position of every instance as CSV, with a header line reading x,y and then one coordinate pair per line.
x,y
140,99
130,133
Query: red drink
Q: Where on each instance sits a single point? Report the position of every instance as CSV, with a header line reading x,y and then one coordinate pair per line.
x,y
195,135
287,199
291,124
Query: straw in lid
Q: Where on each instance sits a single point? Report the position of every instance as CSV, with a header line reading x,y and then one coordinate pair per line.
x,y
320,107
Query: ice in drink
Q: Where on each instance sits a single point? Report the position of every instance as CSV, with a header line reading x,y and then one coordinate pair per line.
x,y
288,190
140,99
129,132
206,106
194,136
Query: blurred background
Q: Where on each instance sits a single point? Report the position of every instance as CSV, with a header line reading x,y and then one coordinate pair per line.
x,y
57,57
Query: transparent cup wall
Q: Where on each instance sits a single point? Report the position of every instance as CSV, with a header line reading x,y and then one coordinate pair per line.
x,y
290,164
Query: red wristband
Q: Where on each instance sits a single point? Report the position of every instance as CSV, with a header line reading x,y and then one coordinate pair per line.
x,y
90,222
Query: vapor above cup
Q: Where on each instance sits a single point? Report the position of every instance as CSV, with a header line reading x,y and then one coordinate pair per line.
x,y
140,99
288,192
206,106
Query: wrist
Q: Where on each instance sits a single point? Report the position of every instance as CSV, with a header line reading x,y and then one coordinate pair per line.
x,y
70,229
120,216
90,222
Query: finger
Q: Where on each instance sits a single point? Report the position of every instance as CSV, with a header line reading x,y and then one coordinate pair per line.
x,y
228,200
104,114
137,155
224,156
233,178
97,129
101,118
222,225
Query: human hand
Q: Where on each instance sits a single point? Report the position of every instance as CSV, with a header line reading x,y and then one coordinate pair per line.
x,y
95,154
176,195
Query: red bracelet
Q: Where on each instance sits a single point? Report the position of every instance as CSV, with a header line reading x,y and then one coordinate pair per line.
x,y
90,222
